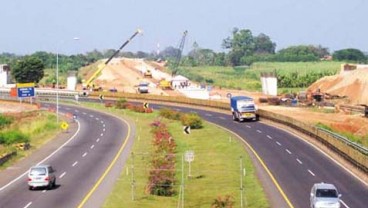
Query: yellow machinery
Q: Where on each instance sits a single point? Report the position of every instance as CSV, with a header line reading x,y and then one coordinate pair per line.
x,y
88,84
148,73
165,85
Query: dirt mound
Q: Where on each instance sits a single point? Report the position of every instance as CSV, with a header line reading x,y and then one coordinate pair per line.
x,y
125,75
353,84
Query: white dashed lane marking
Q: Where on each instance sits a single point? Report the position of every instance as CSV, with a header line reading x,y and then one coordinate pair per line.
x,y
342,202
29,204
84,113
311,172
222,118
104,129
102,134
85,154
91,116
75,163
259,131
62,175
278,143
268,136
97,140
97,119
299,161
248,126
92,146
44,191
207,114
288,151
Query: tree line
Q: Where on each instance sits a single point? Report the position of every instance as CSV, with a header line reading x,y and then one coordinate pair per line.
x,y
242,49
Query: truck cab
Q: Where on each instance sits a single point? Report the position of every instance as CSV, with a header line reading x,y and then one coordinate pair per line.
x,y
243,108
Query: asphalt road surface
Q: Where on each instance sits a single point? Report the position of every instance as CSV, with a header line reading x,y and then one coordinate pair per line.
x,y
295,164
79,163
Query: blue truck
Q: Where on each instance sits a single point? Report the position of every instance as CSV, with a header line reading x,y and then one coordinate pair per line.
x,y
243,108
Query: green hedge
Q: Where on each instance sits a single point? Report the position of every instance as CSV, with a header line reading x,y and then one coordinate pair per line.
x,y
4,121
12,137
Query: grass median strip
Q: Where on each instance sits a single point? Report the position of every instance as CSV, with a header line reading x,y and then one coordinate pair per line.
x,y
220,163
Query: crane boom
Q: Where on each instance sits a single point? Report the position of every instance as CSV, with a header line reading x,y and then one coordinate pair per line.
x,y
102,66
178,56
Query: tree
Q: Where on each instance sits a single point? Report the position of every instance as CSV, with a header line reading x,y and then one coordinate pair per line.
x,y
169,52
349,54
243,45
298,53
264,45
28,69
202,57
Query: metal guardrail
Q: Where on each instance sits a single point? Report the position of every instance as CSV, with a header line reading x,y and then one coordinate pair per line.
x,y
354,145
351,151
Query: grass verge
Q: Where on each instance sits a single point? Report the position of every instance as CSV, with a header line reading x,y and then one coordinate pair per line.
x,y
39,126
215,171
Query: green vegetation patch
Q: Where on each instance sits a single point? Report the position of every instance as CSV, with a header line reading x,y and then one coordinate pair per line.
x,y
248,78
215,171
35,127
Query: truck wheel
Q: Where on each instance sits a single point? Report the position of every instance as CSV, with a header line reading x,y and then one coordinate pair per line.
x,y
234,117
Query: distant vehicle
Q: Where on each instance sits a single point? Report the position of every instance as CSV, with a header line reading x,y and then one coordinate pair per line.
x,y
113,90
165,85
41,176
324,195
242,108
147,73
143,87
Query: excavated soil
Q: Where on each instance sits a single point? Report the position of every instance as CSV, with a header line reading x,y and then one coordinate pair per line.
x,y
124,74
352,84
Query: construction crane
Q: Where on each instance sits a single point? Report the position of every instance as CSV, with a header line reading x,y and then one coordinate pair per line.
x,y
87,84
178,55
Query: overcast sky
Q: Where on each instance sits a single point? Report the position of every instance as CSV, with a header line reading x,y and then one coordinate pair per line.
x,y
28,26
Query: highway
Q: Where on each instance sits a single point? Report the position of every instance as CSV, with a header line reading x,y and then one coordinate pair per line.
x,y
79,163
294,163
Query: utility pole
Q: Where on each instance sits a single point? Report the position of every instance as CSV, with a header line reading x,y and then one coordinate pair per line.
x,y
133,180
181,191
241,181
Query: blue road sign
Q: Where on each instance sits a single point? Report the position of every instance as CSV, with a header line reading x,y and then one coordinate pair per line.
x,y
26,92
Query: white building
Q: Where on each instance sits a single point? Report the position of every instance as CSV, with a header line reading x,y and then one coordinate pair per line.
x,y
4,75
180,82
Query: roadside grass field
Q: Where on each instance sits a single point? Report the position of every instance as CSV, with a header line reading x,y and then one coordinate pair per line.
x,y
39,126
248,78
215,171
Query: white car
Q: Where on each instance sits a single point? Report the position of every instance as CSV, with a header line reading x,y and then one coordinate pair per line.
x,y
41,176
324,195
143,87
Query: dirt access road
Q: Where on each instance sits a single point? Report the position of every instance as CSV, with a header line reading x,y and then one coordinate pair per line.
x,y
124,74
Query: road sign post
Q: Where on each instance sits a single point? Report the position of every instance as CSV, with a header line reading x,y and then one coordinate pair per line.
x,y
189,157
25,90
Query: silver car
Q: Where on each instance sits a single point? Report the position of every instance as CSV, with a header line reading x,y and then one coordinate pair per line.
x,y
41,176
324,195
